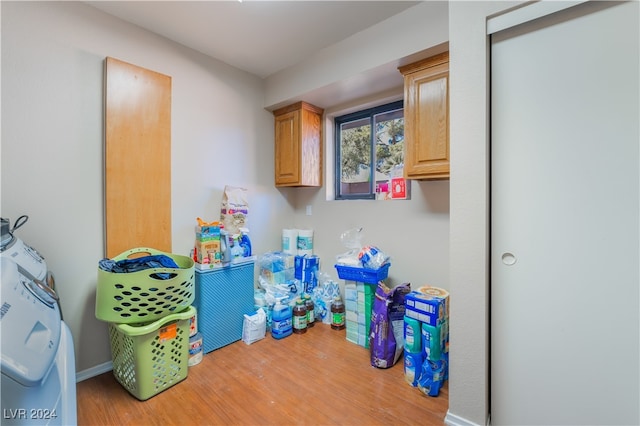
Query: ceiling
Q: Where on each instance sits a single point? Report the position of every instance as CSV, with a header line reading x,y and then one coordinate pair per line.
x,y
258,36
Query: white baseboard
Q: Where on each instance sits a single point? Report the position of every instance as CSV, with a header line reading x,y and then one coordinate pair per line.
x,y
454,420
94,371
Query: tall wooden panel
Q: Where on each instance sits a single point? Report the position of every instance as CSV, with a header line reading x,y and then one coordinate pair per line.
x,y
137,158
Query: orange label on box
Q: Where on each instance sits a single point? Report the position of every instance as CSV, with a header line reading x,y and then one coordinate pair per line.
x,y
168,332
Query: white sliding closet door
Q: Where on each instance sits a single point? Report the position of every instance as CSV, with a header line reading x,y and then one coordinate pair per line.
x,y
565,218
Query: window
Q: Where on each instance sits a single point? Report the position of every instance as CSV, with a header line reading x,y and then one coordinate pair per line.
x,y
369,163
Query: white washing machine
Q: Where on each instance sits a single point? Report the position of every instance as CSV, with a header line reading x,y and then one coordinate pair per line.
x,y
38,362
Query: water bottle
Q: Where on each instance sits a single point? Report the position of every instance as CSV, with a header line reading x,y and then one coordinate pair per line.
x,y
281,324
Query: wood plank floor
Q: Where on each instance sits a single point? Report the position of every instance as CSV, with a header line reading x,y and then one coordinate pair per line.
x,y
317,378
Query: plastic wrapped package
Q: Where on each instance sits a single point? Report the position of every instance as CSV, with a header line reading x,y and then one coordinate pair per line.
x,y
322,296
372,257
352,240
277,267
358,254
276,277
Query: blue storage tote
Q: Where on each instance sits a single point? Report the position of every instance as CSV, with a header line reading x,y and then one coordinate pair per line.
x,y
223,296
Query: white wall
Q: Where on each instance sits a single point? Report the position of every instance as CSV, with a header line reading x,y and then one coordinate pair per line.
x,y
348,69
52,127
52,144
414,232
469,250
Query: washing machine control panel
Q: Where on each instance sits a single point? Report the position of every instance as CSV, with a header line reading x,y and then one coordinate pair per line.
x,y
31,324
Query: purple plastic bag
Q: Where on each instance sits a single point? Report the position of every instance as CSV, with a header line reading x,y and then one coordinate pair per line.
x,y
386,341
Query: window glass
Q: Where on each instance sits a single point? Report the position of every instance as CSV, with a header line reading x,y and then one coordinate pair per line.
x,y
370,154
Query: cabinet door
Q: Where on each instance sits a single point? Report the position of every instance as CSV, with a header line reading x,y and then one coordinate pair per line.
x,y
427,123
311,148
287,148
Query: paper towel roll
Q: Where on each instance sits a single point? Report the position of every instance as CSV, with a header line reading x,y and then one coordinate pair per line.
x,y
290,241
305,242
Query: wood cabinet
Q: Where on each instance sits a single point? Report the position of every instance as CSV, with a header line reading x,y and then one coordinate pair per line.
x,y
426,118
298,145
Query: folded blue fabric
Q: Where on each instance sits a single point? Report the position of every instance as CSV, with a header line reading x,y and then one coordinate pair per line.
x,y
139,264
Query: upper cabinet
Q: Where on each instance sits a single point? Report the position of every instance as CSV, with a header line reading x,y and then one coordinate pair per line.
x,y
298,145
426,115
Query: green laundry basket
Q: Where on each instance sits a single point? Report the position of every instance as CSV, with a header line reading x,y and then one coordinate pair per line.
x,y
150,358
143,296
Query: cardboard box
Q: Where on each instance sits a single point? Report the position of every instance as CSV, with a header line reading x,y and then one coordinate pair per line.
x,y
367,289
207,252
350,292
208,232
306,270
363,340
426,308
439,293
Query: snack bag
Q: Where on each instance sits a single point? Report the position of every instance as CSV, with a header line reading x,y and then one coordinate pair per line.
x,y
234,210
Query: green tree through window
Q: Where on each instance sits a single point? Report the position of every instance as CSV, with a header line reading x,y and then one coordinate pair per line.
x,y
366,160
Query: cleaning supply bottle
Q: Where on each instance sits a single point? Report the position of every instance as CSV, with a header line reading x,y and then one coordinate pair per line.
x,y
225,249
311,318
299,317
412,367
281,320
431,342
412,335
236,249
245,242
337,314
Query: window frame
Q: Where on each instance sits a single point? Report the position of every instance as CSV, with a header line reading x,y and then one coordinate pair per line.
x,y
359,115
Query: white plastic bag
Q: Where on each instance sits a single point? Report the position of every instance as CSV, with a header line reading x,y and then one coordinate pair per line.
x,y
254,327
352,240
